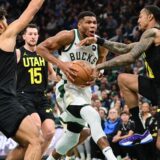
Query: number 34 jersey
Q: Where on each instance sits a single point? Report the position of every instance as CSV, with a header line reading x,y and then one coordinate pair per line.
x,y
32,73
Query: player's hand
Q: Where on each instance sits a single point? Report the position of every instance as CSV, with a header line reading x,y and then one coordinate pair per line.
x,y
92,80
95,75
87,41
57,79
68,70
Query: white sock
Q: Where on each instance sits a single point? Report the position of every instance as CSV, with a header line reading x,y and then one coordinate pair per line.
x,y
82,155
109,153
67,158
50,157
88,156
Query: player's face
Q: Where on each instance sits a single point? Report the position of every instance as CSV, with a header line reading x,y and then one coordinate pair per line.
x,y
143,20
3,25
88,26
31,36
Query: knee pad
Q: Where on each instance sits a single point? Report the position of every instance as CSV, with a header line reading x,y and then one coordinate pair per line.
x,y
94,121
66,142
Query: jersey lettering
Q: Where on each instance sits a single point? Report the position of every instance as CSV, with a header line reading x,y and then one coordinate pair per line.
x,y
33,61
83,56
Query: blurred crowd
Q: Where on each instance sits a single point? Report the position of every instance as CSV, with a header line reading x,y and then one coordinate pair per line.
x,y
117,21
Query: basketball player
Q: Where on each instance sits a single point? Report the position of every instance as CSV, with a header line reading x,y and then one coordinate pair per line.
x,y
149,48
76,100
32,80
14,119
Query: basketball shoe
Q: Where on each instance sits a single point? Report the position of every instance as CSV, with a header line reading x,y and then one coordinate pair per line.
x,y
135,139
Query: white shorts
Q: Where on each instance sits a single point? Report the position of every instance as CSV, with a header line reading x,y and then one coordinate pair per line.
x,y
69,94
68,117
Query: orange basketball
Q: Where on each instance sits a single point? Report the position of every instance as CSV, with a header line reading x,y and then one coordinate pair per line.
x,y
84,72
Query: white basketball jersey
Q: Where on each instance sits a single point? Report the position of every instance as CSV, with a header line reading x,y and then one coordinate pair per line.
x,y
75,95
85,53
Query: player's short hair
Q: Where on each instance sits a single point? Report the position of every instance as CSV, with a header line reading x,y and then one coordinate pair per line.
x,y
84,14
31,25
155,10
3,13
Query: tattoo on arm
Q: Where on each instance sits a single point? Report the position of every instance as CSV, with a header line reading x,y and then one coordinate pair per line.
x,y
145,42
117,61
119,48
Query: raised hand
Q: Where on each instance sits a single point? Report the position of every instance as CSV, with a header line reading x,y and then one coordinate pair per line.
x,y
95,75
87,41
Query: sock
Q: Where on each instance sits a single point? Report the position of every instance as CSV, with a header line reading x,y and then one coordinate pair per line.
x,y
50,157
67,158
88,156
82,155
109,153
70,157
81,151
138,123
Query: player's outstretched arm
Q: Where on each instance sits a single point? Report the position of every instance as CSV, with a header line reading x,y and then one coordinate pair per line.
x,y
46,48
51,44
25,18
115,47
140,47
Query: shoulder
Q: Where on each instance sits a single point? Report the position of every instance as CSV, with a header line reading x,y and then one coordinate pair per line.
x,y
66,34
149,118
149,33
63,37
8,33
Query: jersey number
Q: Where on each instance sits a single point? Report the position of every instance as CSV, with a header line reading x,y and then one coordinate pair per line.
x,y
35,75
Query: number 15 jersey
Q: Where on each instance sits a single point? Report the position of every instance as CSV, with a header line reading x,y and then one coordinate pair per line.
x,y
32,74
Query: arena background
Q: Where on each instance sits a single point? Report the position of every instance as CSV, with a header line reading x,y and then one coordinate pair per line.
x,y
117,20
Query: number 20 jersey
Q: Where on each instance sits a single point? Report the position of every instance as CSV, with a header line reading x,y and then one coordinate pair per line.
x,y
32,74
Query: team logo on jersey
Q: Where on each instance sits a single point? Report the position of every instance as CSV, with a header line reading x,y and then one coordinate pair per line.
x,y
93,47
25,54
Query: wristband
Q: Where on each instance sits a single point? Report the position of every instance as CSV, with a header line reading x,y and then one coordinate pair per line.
x,y
100,41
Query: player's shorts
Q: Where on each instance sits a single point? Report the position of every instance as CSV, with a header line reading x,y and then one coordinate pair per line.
x,y
36,103
71,116
71,99
150,89
69,94
11,115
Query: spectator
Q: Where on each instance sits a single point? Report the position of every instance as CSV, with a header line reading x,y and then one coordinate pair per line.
x,y
125,130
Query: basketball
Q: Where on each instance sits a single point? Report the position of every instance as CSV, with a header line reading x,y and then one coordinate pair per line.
x,y
84,72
